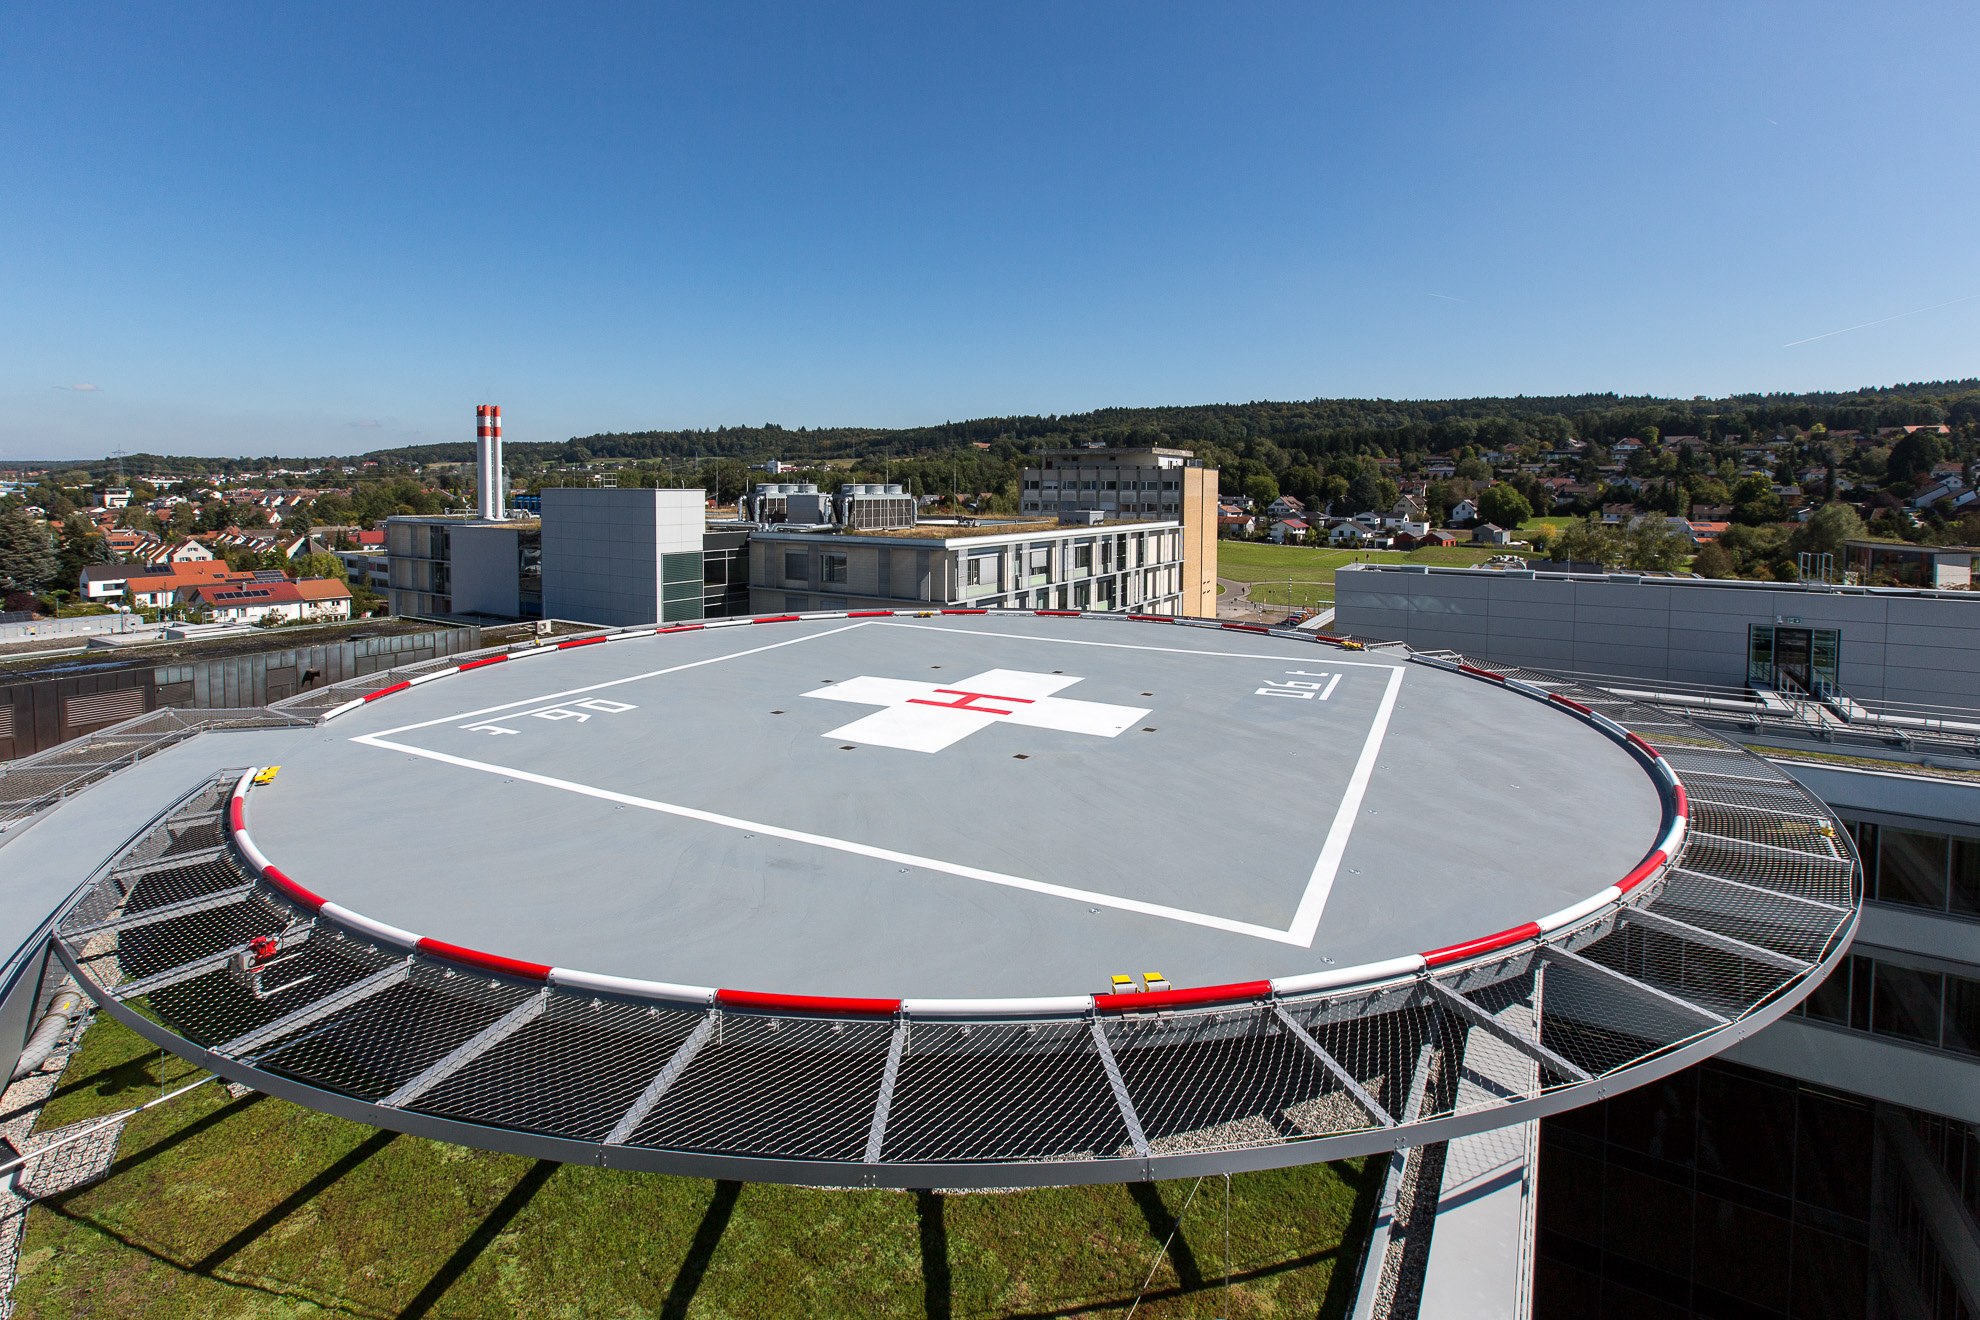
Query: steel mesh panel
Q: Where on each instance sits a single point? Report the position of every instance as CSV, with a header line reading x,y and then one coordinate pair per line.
x,y
1780,796
174,884
1209,1080
1601,1024
1375,1038
1807,834
573,1071
1790,873
1002,1091
224,1006
1688,761
144,950
1756,916
376,1045
802,1088
1710,977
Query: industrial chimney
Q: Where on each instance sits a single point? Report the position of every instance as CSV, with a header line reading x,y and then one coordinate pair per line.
x,y
490,483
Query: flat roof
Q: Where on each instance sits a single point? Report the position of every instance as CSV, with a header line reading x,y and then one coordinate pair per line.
x,y
982,805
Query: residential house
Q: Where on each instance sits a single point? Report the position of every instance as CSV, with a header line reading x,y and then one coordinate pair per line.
x,y
1490,534
1437,536
309,600
1463,511
1287,506
153,586
1288,530
1620,515
1711,512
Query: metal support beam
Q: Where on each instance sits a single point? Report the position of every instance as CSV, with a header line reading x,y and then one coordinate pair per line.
x,y
1333,1066
876,1135
1133,1120
1799,854
1759,889
1525,1044
219,898
629,1121
194,858
328,1006
471,1049
1712,939
1556,953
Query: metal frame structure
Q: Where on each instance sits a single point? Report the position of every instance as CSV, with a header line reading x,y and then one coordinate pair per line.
x,y
197,942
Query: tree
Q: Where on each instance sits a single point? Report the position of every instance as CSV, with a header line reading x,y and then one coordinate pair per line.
x,y
1262,490
1504,505
1654,546
1589,542
1712,562
1826,530
1755,504
320,566
27,554
1914,456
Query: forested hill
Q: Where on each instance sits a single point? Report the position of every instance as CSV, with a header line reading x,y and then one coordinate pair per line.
x,y
1317,426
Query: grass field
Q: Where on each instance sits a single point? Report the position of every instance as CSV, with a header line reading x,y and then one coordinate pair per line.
x,y
255,1207
1311,570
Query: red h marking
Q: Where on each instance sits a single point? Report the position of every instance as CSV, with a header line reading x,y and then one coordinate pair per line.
x,y
968,697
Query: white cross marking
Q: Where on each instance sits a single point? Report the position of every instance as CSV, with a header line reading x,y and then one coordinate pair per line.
x,y
925,717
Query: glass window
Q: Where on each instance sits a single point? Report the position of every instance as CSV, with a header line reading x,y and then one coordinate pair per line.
x,y
1830,1001
1905,1004
1963,1015
1083,556
1911,869
796,565
1966,876
973,575
833,564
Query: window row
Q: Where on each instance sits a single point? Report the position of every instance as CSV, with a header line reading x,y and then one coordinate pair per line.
x,y
1912,1004
1910,868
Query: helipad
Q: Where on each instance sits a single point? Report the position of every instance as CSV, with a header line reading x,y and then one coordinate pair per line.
x,y
941,898
963,806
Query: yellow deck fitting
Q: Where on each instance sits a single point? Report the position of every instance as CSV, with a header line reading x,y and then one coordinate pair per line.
x,y
267,776
1155,981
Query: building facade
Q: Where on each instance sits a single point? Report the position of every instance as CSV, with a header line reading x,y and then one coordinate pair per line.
x,y
623,556
1038,565
1911,646
1136,485
453,566
1828,1166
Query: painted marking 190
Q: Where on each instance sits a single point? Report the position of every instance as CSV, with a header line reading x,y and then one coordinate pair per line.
x,y
1298,690
576,710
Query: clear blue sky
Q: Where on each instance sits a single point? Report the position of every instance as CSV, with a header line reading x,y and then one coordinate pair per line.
x,y
279,228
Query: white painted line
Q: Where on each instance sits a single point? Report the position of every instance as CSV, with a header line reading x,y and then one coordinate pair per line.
x,y
1306,920
595,687
865,850
1118,646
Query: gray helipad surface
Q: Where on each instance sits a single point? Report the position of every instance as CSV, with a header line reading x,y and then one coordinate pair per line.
x,y
821,808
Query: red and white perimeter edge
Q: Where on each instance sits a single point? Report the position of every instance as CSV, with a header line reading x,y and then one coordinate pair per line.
x,y
1651,868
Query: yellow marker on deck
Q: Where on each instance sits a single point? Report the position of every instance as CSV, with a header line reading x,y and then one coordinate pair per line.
x,y
267,776
1154,981
1124,985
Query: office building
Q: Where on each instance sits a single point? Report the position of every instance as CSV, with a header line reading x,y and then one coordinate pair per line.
x,y
1136,485
994,565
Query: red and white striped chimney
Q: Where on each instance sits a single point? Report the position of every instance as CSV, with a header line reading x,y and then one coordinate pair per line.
x,y
491,485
